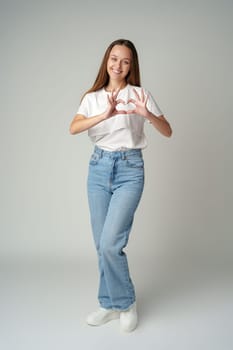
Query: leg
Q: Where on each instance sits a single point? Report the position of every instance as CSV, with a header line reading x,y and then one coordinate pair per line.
x,y
98,204
114,239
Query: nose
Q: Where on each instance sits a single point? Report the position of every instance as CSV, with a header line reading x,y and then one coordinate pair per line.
x,y
118,64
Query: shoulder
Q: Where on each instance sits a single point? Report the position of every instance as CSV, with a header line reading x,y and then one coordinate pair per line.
x,y
92,96
94,93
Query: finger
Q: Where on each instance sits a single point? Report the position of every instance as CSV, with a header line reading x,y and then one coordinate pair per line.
x,y
109,99
136,93
120,101
111,94
115,93
142,95
131,100
120,112
131,111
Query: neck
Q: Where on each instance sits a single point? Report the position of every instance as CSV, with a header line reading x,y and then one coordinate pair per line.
x,y
114,85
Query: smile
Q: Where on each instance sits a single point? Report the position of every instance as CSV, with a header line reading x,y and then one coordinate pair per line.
x,y
116,71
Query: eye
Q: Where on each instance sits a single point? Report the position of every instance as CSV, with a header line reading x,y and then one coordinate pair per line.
x,y
126,62
113,58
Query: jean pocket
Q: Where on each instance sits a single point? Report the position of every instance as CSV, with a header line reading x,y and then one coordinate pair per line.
x,y
94,159
135,162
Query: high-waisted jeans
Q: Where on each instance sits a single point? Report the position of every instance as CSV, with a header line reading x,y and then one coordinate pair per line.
x,y
115,185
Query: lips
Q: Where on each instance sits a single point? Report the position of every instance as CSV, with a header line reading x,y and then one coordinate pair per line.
x,y
116,71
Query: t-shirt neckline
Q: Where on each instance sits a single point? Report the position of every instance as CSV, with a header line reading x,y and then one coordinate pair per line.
x,y
109,92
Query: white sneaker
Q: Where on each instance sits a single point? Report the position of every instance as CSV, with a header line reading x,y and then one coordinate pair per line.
x,y
102,316
129,319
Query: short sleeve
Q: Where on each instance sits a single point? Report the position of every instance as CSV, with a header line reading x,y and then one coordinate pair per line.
x,y
153,106
83,107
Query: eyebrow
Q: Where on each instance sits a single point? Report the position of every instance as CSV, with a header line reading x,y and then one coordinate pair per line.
x,y
126,58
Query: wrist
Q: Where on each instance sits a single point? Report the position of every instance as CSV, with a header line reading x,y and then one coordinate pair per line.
x,y
103,116
149,116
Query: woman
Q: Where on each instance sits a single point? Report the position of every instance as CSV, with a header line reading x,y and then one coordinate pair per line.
x,y
114,111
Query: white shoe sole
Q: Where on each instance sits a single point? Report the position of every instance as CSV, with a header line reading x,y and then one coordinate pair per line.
x,y
112,316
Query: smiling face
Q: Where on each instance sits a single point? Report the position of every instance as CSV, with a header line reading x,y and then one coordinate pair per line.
x,y
119,62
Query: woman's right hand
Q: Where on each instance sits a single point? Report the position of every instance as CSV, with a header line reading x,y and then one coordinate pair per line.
x,y
111,110
81,123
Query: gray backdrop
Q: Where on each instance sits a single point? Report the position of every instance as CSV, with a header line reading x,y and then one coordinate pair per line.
x,y
182,235
50,53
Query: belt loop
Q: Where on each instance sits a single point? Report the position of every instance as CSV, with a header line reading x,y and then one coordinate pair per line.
x,y
99,151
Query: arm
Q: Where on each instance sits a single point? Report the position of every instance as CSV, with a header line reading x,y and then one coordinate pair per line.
x,y
160,123
81,123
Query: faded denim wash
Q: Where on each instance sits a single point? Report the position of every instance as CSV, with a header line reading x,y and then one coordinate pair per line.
x,y
115,185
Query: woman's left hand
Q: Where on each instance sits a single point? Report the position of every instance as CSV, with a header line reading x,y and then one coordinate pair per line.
x,y
140,104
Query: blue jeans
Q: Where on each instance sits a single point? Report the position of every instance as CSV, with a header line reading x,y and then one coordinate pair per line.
x,y
115,185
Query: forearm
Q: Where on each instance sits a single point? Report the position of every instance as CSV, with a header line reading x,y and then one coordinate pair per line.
x,y
160,123
81,123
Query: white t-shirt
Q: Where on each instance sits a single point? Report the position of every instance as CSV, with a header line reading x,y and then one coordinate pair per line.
x,y
123,131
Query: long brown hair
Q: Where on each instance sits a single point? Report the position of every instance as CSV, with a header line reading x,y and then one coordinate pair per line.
x,y
133,76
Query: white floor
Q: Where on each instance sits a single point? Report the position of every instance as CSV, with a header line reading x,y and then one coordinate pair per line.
x,y
43,306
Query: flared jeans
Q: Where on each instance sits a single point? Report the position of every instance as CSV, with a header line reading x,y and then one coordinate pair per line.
x,y
115,185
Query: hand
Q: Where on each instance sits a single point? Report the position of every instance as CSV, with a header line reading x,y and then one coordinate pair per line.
x,y
112,103
140,104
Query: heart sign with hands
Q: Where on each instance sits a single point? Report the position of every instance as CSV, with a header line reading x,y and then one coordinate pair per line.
x,y
132,106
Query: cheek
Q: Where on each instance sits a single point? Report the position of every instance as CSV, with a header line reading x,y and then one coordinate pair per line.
x,y
108,63
108,66
127,69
